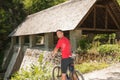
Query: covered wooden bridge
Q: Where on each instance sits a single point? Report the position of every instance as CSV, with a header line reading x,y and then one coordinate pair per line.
x,y
75,17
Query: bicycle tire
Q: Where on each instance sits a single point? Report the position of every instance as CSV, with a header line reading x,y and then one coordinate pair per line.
x,y
79,75
56,76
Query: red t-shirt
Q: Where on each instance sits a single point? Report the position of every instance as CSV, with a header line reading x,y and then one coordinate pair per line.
x,y
64,44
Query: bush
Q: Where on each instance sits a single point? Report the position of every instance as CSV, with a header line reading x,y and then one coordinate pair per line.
x,y
109,49
36,72
105,38
40,59
102,38
83,45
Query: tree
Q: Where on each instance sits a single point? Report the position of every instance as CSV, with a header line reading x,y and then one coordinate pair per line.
x,y
32,6
11,15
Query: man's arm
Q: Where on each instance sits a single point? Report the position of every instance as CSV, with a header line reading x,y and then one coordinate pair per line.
x,y
54,51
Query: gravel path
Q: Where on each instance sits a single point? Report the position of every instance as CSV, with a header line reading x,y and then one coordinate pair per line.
x,y
110,73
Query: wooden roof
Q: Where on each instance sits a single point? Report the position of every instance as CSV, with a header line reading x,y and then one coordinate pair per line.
x,y
65,16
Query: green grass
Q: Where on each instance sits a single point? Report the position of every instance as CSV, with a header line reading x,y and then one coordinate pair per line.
x,y
109,48
90,66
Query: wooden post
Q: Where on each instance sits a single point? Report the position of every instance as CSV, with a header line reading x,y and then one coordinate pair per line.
x,y
16,59
91,36
13,40
49,41
32,40
106,18
17,56
94,19
75,36
118,35
21,40
9,53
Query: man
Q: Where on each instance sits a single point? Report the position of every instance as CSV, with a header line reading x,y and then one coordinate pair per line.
x,y
65,46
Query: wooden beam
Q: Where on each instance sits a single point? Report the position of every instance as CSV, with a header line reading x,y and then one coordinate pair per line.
x,y
106,18
94,19
113,17
92,29
100,6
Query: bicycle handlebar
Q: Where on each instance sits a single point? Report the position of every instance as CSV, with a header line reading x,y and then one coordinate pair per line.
x,y
56,58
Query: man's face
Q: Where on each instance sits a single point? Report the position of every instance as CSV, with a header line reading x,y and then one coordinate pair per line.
x,y
59,34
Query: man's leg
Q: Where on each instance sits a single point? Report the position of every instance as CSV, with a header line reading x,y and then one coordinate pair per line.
x,y
71,68
63,76
64,65
73,72
74,76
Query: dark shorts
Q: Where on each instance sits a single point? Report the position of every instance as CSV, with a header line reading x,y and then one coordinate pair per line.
x,y
67,63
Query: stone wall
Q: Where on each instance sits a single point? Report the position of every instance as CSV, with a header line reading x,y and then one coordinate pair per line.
x,y
31,57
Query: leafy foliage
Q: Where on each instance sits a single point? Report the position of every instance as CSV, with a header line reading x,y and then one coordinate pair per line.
x,y
32,6
36,72
109,49
103,38
83,45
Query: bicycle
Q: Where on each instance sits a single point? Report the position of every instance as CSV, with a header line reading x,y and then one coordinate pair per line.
x,y
56,72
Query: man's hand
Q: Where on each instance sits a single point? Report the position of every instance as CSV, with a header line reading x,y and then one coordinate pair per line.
x,y
54,52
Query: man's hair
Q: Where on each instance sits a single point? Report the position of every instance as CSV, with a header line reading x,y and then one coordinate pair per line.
x,y
59,30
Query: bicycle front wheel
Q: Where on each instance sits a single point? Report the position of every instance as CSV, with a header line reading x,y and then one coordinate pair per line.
x,y
56,73
76,76
79,75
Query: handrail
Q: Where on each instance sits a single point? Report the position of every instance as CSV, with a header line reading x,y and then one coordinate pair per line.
x,y
6,59
12,63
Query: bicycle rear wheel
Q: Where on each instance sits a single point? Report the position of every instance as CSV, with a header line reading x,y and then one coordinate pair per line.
x,y
76,76
56,73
